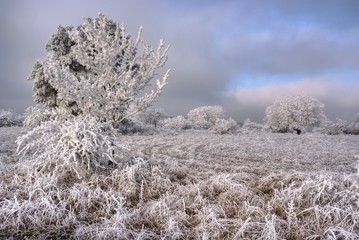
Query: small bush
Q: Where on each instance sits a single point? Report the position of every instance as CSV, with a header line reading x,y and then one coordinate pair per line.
x,y
249,126
128,127
205,117
175,123
151,116
223,126
353,128
333,128
81,146
8,118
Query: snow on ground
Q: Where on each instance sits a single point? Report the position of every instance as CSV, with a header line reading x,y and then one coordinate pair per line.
x,y
258,153
8,135
261,153
192,185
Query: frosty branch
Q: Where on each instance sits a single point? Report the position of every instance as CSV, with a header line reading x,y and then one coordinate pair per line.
x,y
294,113
99,71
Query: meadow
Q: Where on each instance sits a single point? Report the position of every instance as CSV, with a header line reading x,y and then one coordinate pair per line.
x,y
191,184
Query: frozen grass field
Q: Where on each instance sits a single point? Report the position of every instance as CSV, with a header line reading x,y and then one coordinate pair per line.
x,y
191,185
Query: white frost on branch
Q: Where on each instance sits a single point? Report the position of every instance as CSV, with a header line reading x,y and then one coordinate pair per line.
x,y
99,71
81,146
206,116
294,113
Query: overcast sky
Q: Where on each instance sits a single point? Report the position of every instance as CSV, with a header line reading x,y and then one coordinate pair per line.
x,y
240,54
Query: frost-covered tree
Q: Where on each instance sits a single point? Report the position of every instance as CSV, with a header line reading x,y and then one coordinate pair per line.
x,y
294,113
9,118
336,127
206,116
353,128
175,123
97,70
151,116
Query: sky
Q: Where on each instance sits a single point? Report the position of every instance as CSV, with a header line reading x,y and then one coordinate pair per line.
x,y
239,54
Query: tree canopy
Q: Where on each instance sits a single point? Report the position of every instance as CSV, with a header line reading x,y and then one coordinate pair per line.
x,y
98,70
294,113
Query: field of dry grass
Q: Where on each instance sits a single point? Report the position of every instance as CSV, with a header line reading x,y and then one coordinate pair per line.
x,y
191,185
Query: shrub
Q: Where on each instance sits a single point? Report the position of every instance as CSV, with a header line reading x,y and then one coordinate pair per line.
x,y
151,116
205,117
80,146
353,128
223,126
333,128
249,126
8,118
129,127
175,123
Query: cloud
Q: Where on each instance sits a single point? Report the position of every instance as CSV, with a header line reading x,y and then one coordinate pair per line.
x,y
213,43
198,76
284,50
339,100
328,13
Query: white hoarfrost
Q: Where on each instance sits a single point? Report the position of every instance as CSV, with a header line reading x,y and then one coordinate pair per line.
x,y
99,71
339,126
73,179
35,116
223,126
205,117
151,116
249,126
187,185
81,146
9,118
353,128
294,113
175,123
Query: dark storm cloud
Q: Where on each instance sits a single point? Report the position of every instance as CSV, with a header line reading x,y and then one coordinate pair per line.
x,y
213,44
